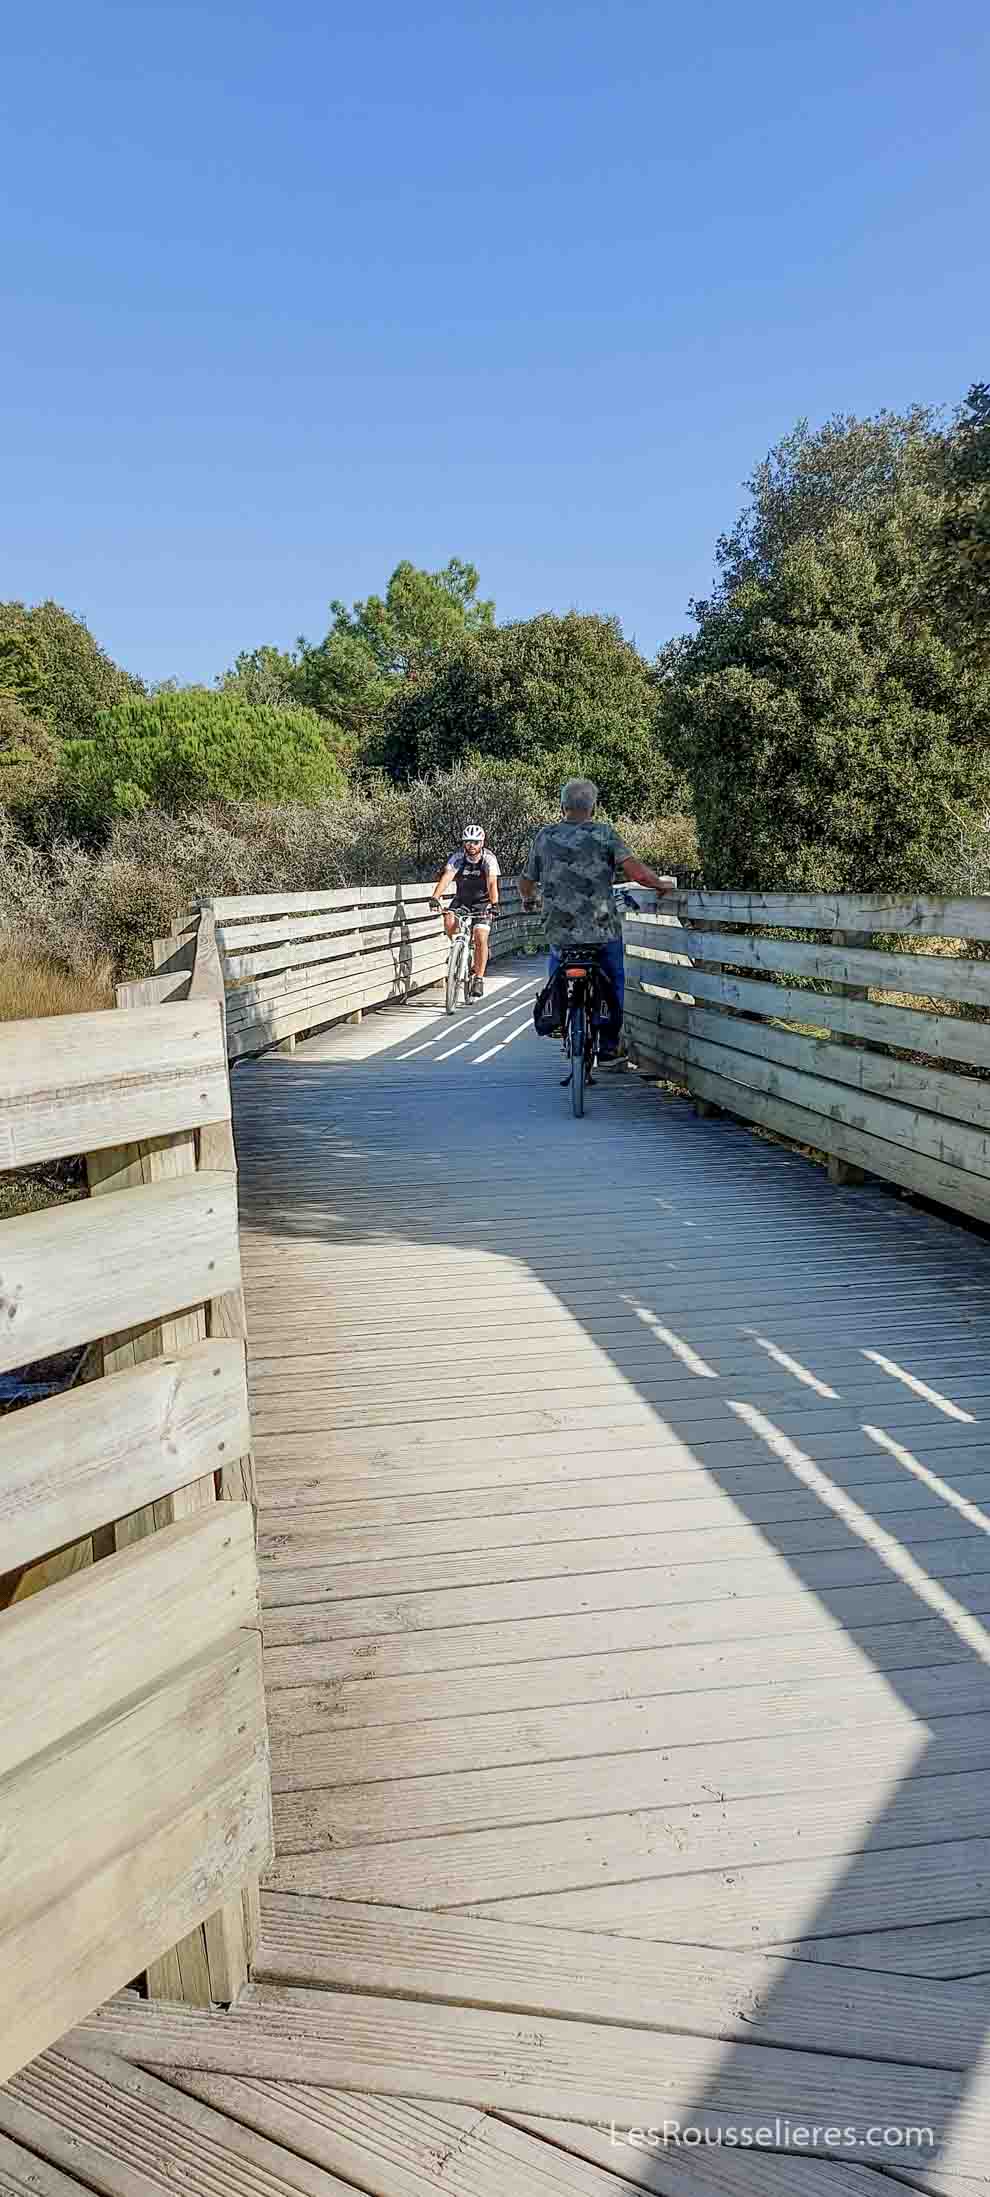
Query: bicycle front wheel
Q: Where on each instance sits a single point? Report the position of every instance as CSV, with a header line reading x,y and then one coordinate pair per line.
x,y
577,1060
455,969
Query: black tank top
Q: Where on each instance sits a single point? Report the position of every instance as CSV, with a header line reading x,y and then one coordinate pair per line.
x,y
472,882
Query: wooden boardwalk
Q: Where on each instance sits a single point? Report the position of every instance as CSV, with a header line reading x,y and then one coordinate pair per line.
x,y
626,1552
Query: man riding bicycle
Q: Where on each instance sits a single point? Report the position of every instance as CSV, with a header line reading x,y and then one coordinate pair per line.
x,y
474,874
576,863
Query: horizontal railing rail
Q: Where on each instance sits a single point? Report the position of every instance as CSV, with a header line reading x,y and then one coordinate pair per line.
x,y
866,1036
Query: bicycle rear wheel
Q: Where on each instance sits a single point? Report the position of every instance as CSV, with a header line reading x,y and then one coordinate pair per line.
x,y
456,960
577,1059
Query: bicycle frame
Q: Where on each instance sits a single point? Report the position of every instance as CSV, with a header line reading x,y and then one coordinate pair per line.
x,y
460,959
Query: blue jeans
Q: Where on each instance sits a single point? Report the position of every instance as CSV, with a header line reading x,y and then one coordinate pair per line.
x,y
612,960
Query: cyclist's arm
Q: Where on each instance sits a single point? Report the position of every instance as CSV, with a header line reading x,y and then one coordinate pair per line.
x,y
638,874
444,882
493,885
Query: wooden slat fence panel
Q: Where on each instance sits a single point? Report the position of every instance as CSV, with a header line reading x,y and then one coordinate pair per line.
x,y
80,1271
804,1036
134,1786
915,916
141,1074
96,1455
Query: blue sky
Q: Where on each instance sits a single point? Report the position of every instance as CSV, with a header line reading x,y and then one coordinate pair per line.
x,y
292,292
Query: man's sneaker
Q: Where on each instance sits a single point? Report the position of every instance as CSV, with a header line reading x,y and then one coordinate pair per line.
x,y
618,1059
479,987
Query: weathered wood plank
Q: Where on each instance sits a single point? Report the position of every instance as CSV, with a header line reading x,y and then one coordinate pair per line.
x,y
922,1524
153,991
841,1085
571,2069
949,1098
23,2174
258,909
344,1945
355,969
75,1083
339,1815
917,916
319,1540
69,1653
945,1037
923,976
102,1788
132,2129
395,2148
676,2171
99,1933
829,1704
821,1902
78,1272
654,1845
430,1631
105,1449
877,1155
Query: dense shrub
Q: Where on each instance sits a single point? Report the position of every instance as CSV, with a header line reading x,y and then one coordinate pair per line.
x,y
558,697
29,758
668,843
174,750
98,908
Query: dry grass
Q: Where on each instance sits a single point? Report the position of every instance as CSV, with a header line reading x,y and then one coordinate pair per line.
x,y
32,985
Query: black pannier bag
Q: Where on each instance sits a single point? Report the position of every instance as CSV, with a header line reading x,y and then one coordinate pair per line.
x,y
607,1013
549,1006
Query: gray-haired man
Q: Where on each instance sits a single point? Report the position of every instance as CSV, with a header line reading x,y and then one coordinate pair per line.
x,y
576,863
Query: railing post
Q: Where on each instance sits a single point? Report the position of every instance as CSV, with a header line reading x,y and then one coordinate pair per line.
x,y
841,1173
212,1962
705,1109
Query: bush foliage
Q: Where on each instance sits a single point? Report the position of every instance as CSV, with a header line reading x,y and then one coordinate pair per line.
x,y
558,696
173,750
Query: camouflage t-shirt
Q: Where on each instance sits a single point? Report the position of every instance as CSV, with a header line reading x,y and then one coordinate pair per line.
x,y
575,865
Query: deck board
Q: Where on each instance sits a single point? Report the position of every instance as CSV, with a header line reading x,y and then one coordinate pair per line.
x,y
551,1630
625,1550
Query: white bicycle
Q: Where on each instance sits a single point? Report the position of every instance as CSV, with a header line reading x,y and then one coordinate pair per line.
x,y
460,961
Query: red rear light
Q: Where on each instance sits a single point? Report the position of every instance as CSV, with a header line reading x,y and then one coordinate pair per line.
x,y
577,972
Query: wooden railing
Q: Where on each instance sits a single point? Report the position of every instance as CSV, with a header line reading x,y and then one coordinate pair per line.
x,y
878,1057
135,1809
293,962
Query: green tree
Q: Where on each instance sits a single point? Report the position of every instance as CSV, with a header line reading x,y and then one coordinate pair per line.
x,y
265,675
814,475
172,751
376,646
832,735
563,695
964,549
29,758
50,660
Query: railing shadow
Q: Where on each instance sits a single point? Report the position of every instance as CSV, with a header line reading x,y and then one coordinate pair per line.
x,y
809,1356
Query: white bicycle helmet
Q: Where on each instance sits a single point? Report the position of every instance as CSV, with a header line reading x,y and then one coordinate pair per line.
x,y
473,835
